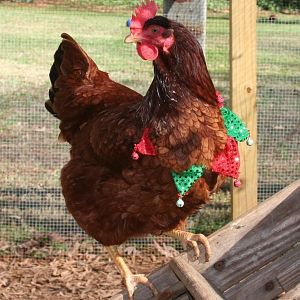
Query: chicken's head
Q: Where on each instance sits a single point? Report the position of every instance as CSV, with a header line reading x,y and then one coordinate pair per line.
x,y
151,33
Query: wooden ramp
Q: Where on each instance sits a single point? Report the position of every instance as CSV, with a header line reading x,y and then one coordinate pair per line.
x,y
255,257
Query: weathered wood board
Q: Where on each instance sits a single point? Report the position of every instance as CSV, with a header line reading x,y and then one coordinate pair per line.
x,y
271,280
293,294
254,257
254,240
164,280
197,285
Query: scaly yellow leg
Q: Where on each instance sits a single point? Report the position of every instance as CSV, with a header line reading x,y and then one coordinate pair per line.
x,y
131,280
192,240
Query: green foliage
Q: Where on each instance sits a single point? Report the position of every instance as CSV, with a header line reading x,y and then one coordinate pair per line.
x,y
15,234
105,2
217,5
21,1
108,3
272,5
127,3
212,5
212,217
279,5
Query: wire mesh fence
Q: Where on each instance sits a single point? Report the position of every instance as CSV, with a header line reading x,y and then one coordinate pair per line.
x,y
32,210
278,103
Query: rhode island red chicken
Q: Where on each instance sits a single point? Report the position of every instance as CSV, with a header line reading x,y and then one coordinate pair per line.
x,y
138,165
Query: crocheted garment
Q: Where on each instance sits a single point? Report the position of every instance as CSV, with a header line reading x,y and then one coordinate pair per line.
x,y
226,163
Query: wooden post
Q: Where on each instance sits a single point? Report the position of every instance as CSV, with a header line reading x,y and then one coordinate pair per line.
x,y
243,96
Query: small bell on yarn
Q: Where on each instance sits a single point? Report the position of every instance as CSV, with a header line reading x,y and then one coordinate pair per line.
x,y
185,180
144,147
249,141
220,99
135,155
237,183
180,202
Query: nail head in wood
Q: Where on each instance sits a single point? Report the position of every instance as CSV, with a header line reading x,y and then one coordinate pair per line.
x,y
269,286
219,265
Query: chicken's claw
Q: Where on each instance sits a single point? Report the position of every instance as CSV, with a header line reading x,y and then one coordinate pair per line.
x,y
192,240
132,280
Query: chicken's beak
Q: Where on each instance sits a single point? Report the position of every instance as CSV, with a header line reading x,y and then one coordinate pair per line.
x,y
129,39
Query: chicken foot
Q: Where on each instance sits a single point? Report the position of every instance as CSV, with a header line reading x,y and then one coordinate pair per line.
x,y
131,280
192,240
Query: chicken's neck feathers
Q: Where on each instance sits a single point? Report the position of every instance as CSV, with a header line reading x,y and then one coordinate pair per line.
x,y
179,75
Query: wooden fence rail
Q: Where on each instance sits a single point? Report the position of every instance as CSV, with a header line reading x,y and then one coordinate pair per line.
x,y
256,256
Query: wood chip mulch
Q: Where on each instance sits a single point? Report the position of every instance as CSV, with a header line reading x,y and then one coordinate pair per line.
x,y
86,276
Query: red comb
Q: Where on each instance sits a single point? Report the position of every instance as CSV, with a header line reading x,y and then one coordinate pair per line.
x,y
143,13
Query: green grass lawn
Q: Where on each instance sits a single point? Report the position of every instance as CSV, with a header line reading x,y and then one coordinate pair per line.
x,y
30,156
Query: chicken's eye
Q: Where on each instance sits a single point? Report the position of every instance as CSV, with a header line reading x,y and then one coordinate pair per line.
x,y
154,30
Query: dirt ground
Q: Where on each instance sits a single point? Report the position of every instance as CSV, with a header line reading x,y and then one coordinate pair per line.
x,y
87,276
71,274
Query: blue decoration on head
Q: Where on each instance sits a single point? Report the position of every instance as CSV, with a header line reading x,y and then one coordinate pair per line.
x,y
128,22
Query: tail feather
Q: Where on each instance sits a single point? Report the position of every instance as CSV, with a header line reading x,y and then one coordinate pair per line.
x,y
79,89
55,68
70,72
54,74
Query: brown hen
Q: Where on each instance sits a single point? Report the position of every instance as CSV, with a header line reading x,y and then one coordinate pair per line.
x,y
112,196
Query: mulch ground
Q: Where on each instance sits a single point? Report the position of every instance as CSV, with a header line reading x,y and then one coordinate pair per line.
x,y
70,276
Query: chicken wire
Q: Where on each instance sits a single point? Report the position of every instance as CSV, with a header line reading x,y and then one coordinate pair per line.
x,y
32,210
278,104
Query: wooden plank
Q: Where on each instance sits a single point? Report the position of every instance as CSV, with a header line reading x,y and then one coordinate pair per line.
x,y
183,297
195,283
249,243
289,277
172,292
243,97
293,294
162,279
244,246
272,280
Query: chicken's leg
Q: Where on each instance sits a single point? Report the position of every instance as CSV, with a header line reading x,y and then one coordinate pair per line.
x,y
192,240
131,280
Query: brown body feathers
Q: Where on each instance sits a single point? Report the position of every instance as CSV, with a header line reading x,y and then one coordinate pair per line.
x,y
112,196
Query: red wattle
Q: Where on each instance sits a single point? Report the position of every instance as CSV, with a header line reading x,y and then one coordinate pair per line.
x,y
147,51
